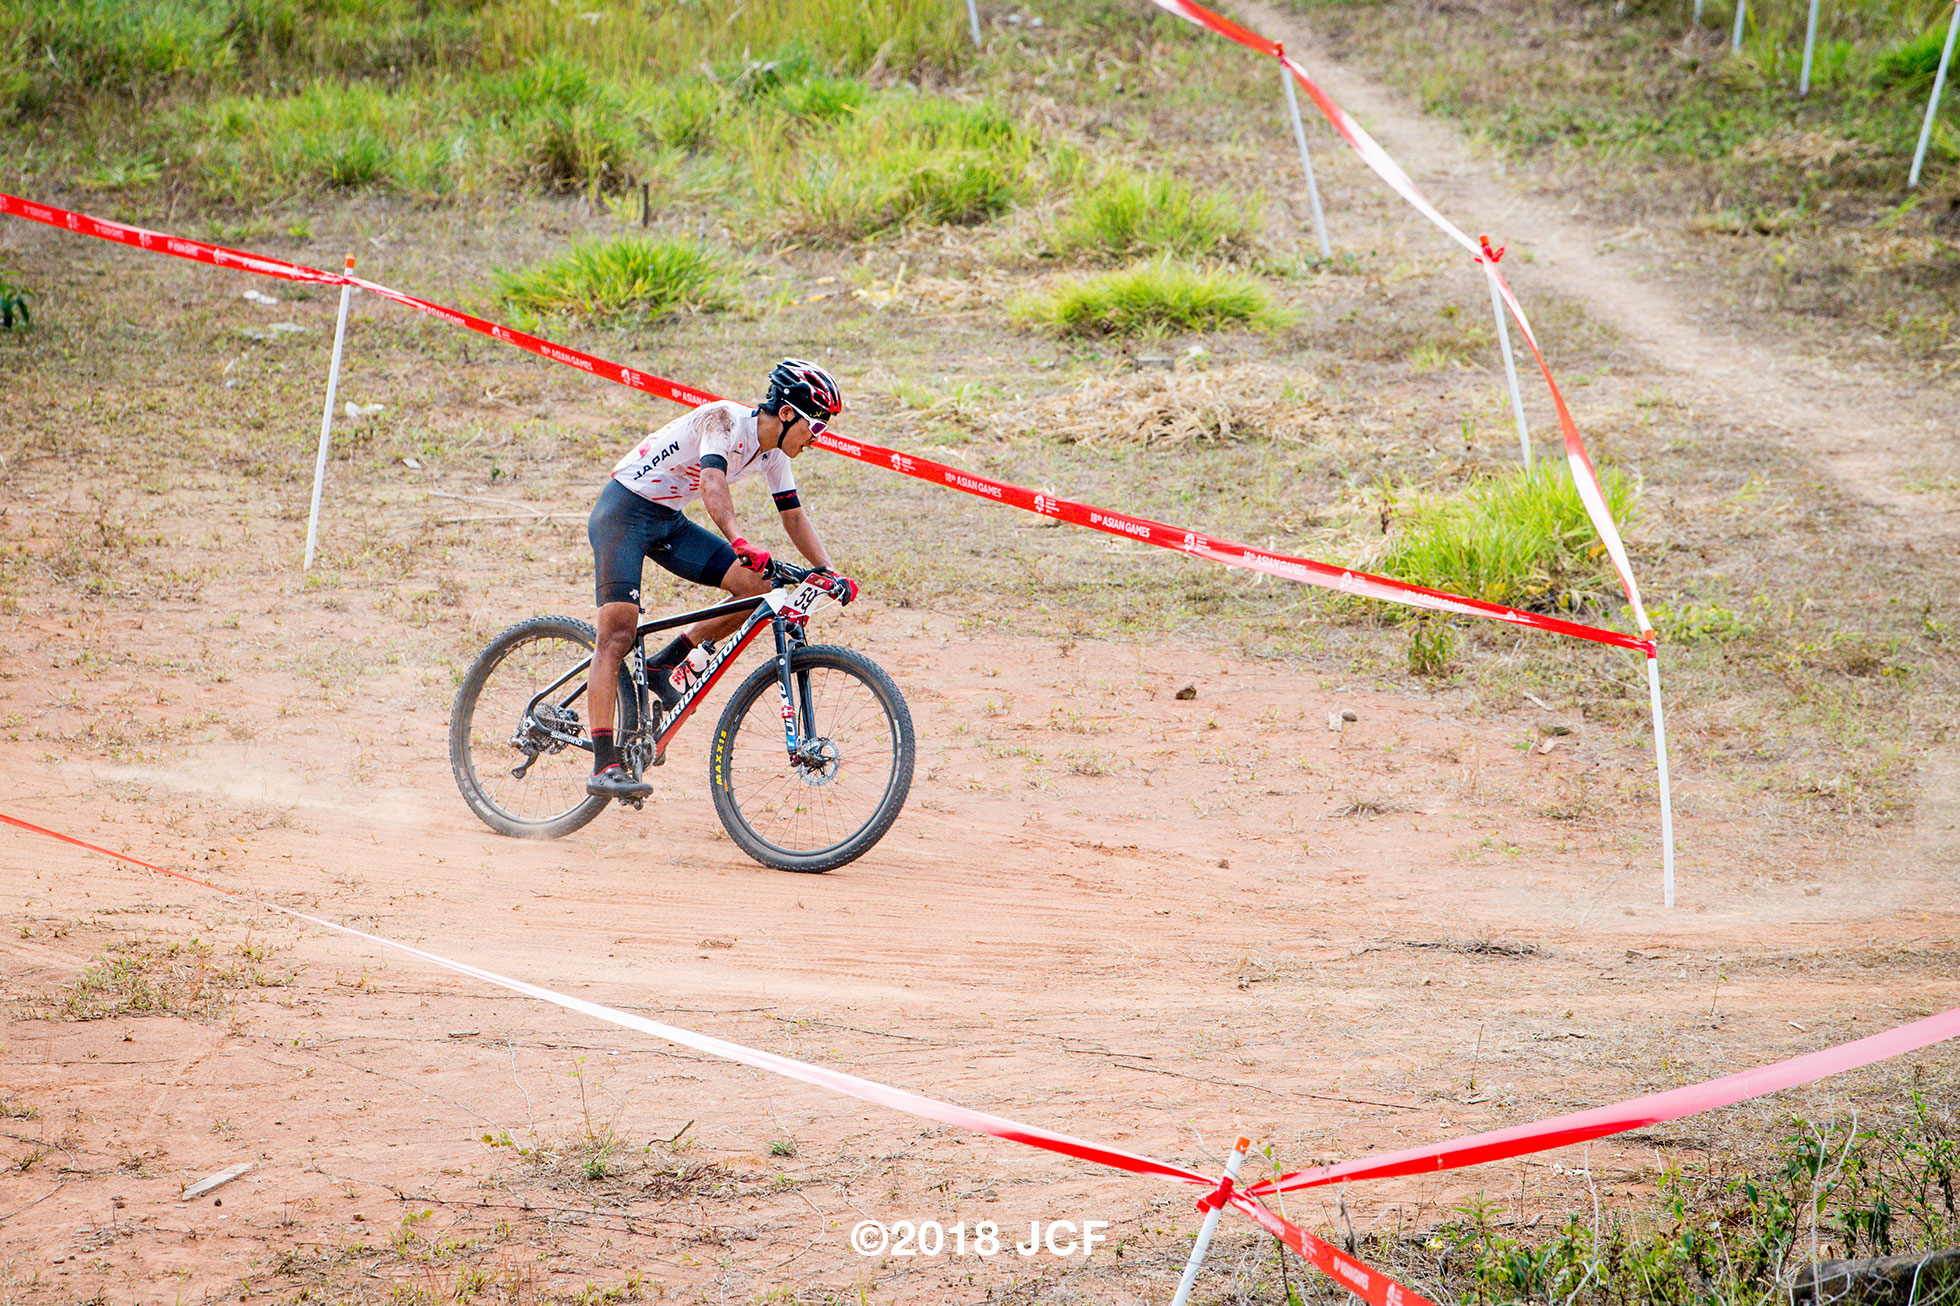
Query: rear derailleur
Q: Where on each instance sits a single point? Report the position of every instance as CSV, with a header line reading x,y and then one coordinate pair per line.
x,y
546,730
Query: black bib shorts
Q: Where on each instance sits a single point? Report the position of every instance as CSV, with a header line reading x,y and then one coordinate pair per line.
x,y
626,530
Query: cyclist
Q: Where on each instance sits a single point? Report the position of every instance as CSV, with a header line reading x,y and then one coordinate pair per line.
x,y
639,516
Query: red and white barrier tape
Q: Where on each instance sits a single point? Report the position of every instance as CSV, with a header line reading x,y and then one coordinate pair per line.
x,y
592,363
1344,1268
864,1089
1373,1287
1124,525
158,242
1304,570
1584,477
218,256
1384,166
1656,1108
1370,1285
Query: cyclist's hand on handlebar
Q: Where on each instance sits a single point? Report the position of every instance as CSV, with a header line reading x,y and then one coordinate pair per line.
x,y
749,556
841,588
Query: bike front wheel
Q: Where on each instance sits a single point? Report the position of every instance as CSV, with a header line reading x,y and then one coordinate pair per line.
x,y
836,799
522,766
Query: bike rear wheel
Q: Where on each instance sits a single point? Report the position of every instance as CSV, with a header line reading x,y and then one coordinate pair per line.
x,y
830,807
513,766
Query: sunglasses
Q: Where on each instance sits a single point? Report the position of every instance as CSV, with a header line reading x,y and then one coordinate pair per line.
x,y
817,426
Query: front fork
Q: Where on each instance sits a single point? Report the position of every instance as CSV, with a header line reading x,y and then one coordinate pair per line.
x,y
794,687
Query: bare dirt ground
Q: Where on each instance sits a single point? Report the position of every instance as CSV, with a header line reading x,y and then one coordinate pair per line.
x,y
1149,920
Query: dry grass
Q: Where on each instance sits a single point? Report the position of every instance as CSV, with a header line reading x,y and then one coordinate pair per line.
x,y
1793,209
153,976
1164,405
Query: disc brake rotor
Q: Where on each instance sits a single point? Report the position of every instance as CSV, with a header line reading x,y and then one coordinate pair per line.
x,y
817,762
546,724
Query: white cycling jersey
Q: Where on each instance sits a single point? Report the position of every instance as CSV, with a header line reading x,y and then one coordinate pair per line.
x,y
666,466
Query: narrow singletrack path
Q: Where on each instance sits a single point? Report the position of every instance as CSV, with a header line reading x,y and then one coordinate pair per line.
x,y
1872,432
1875,436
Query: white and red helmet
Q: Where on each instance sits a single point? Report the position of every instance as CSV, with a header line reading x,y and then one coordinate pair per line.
x,y
805,387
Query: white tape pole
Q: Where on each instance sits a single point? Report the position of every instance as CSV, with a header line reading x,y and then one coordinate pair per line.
x,y
1741,12
1210,1226
1809,49
1697,13
1306,161
1667,795
973,19
326,421
1933,105
1510,362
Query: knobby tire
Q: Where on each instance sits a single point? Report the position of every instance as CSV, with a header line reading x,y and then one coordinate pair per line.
x,y
765,803
480,752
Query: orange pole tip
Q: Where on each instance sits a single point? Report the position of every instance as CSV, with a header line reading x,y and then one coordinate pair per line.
x,y
1244,1144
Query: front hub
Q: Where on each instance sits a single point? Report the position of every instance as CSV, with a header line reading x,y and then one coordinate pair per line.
x,y
817,762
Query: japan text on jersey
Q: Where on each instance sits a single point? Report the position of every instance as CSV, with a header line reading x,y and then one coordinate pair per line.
x,y
666,466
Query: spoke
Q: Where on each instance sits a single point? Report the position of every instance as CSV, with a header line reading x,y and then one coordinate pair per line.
x,y
774,790
785,806
554,784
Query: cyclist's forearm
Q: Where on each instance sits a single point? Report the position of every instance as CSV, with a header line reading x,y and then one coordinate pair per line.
x,y
802,533
720,503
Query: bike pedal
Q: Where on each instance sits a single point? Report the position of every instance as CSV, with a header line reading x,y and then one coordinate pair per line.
x,y
637,804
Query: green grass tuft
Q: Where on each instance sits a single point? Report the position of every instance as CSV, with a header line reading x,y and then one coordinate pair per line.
x,y
1159,296
666,40
630,278
681,115
899,159
823,98
850,198
1130,215
580,147
1912,63
1523,540
14,314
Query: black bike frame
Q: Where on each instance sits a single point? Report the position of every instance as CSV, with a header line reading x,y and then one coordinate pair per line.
x,y
784,617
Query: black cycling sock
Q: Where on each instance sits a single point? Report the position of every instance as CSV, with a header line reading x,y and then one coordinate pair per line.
x,y
603,753
670,657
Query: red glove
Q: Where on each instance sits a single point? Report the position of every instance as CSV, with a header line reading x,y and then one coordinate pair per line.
x,y
749,556
842,588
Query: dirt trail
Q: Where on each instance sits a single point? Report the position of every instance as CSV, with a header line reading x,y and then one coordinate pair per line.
x,y
1872,432
1150,919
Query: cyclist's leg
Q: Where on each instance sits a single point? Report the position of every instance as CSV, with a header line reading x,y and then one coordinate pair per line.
x,y
743,584
617,622
622,528
693,552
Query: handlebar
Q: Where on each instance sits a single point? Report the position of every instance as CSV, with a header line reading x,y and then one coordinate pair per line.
x,y
788,575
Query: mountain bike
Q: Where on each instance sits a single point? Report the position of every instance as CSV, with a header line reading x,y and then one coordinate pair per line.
x,y
805,778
